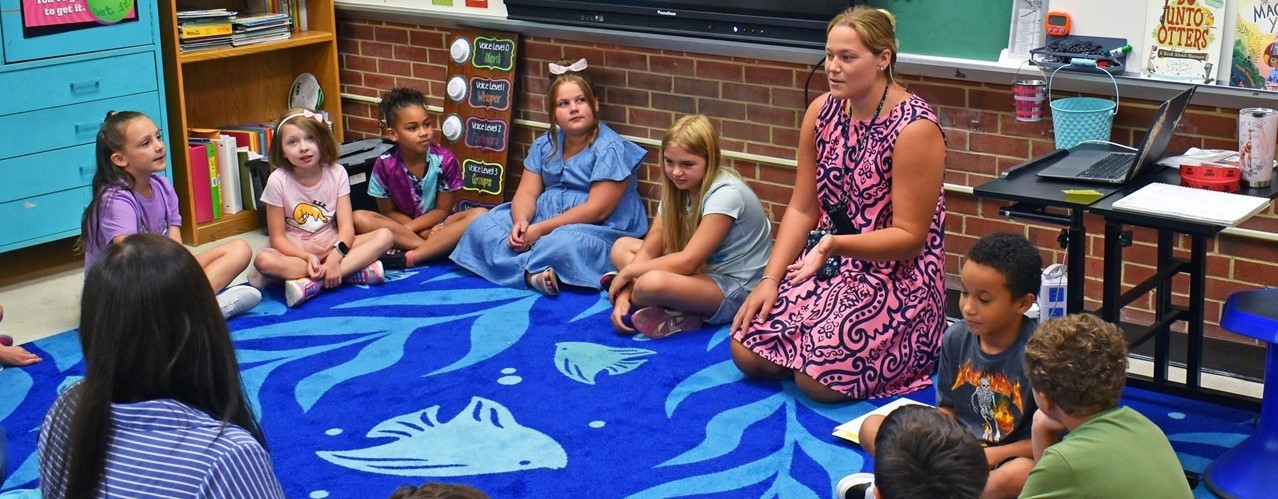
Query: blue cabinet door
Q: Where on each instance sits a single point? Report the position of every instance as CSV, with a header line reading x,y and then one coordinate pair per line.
x,y
19,47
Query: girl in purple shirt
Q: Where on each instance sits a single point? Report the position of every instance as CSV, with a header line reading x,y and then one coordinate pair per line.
x,y
131,195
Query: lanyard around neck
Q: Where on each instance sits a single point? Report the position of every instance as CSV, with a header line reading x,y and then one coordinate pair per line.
x,y
861,139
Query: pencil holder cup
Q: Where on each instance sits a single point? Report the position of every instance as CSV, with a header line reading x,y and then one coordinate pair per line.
x,y
1079,119
1028,96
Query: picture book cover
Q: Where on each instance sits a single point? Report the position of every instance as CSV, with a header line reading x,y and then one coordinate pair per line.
x,y
1255,53
1183,39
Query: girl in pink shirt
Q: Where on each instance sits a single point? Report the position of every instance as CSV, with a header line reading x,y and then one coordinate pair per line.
x,y
313,245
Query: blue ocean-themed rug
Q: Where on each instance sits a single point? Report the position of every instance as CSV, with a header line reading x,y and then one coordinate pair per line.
x,y
441,376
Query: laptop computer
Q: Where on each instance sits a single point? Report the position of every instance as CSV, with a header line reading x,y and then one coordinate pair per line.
x,y
1087,164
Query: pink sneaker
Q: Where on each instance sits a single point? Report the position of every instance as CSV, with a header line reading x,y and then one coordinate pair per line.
x,y
299,290
372,274
657,322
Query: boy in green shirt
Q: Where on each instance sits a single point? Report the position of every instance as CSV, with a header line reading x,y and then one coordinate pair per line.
x,y
1077,366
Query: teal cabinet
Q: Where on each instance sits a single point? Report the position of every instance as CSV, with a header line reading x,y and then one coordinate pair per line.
x,y
57,86
27,44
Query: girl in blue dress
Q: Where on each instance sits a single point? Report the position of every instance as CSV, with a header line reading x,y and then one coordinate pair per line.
x,y
577,195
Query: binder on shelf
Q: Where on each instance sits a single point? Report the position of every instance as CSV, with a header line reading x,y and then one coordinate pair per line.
x,y
228,169
215,181
198,160
243,137
1188,203
250,187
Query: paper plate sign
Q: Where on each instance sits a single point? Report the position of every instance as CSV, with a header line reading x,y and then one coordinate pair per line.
x,y
494,53
492,94
486,134
482,177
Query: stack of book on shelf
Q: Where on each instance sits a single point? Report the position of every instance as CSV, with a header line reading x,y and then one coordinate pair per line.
x,y
258,28
294,9
227,168
204,29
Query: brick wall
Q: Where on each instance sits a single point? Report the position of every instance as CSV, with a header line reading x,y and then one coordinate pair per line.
x,y
757,106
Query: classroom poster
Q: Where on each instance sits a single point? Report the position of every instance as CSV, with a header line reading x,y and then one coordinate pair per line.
x,y
1255,51
477,111
75,14
1183,39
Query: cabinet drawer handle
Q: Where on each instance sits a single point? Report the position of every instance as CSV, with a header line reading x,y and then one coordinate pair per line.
x,y
86,86
87,171
87,127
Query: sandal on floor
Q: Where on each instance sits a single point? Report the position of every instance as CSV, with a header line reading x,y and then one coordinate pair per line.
x,y
605,281
545,282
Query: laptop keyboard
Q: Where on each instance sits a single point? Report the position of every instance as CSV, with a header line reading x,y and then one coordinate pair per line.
x,y
1112,166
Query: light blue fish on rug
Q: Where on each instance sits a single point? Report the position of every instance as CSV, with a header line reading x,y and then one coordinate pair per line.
x,y
483,438
583,361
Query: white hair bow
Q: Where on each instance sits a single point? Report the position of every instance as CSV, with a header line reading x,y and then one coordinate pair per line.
x,y
580,65
306,113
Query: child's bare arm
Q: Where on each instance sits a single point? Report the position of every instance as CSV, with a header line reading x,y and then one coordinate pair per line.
x,y
653,245
444,201
997,454
1046,432
387,208
275,227
709,234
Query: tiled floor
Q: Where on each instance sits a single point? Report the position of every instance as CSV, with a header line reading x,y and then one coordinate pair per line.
x,y
50,304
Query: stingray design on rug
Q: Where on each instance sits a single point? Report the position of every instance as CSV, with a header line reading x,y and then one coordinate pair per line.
x,y
438,375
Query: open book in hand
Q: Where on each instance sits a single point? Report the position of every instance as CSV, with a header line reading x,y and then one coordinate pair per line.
x,y
850,430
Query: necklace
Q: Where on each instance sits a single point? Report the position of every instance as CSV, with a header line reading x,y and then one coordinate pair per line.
x,y
860,140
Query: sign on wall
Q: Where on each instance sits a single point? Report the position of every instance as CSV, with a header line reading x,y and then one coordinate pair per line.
x,y
43,17
477,111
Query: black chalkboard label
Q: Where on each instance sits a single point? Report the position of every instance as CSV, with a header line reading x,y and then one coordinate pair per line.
x,y
494,53
481,176
486,134
492,94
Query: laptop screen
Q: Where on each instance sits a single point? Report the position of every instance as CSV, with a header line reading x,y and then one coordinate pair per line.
x,y
1161,131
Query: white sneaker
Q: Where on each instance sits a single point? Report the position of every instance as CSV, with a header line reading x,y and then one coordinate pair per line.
x,y
236,300
855,486
299,290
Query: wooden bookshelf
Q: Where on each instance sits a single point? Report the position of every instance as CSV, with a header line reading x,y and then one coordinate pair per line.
x,y
239,85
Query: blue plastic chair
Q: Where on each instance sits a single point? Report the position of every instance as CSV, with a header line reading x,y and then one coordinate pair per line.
x,y
1250,469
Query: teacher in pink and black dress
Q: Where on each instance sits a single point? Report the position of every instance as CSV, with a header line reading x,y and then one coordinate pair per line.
x,y
860,310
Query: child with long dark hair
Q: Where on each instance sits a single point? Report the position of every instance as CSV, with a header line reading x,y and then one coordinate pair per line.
x,y
161,409
131,195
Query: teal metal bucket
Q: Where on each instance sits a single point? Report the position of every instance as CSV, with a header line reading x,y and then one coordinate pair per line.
x,y
1079,119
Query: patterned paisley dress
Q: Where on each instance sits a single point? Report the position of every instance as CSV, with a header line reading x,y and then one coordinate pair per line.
x,y
874,329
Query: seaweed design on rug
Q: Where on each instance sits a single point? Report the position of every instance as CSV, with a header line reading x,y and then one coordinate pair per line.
x,y
724,433
500,319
